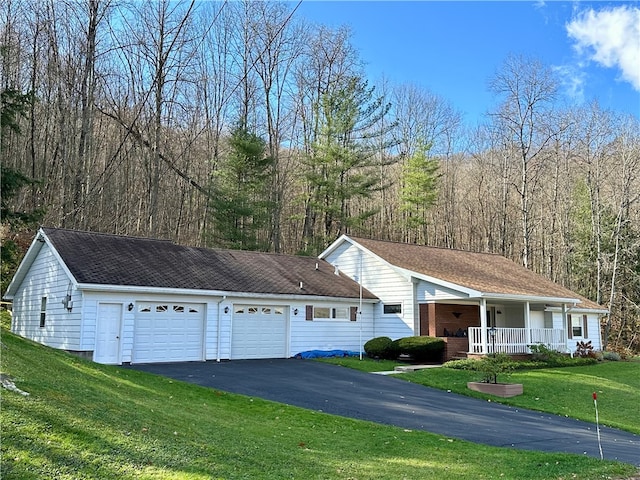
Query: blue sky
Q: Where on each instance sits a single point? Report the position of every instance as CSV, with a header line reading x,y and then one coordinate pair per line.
x,y
454,47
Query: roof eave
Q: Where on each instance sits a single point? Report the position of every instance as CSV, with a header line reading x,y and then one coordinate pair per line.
x,y
471,293
578,308
93,287
529,298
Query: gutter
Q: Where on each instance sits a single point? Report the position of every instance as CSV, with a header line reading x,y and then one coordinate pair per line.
x,y
216,293
530,298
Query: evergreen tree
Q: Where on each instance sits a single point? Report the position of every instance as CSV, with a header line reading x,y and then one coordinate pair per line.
x,y
239,204
419,187
341,167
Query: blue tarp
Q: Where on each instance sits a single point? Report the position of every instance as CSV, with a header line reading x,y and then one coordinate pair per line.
x,y
326,354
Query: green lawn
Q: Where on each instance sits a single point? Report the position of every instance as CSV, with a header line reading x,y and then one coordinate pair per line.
x,y
564,391
88,421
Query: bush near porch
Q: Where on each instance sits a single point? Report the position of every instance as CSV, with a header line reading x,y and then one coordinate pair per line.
x,y
419,349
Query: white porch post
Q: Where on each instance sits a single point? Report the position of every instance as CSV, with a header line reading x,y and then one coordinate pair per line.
x,y
483,325
527,323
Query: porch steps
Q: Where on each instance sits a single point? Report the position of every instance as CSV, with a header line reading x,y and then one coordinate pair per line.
x,y
413,368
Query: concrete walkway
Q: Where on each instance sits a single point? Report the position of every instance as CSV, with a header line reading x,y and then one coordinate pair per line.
x,y
388,400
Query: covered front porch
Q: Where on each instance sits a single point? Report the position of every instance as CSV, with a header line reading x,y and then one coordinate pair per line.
x,y
484,327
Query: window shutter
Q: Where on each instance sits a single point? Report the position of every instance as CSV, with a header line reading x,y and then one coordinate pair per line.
x,y
353,314
569,327
585,333
309,311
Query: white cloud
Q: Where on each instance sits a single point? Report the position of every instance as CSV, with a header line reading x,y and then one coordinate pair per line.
x,y
610,37
572,79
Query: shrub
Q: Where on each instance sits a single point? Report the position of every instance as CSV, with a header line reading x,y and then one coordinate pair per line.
x,y
611,356
381,347
464,364
585,350
540,352
421,349
624,352
493,365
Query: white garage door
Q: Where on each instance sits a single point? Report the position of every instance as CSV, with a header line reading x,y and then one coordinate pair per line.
x,y
259,331
168,332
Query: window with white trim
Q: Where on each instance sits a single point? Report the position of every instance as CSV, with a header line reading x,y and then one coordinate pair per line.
x,y
331,313
43,312
577,326
392,308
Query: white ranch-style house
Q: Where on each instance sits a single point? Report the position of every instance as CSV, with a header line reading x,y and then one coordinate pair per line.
x,y
119,299
478,303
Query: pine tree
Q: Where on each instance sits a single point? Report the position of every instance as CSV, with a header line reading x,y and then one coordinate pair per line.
x,y
419,187
341,167
240,188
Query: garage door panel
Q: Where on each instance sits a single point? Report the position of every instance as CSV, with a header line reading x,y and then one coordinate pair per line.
x,y
168,332
259,332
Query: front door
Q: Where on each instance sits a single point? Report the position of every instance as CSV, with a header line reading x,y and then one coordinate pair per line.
x,y
108,334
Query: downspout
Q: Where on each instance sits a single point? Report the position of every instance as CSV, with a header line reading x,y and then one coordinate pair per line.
x,y
600,330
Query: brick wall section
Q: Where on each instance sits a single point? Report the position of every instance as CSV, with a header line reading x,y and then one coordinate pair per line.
x,y
469,316
455,347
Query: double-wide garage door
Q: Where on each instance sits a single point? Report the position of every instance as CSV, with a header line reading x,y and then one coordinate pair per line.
x,y
259,331
168,332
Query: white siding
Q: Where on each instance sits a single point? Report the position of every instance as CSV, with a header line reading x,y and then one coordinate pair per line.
x,y
593,329
46,278
224,330
430,291
328,334
384,282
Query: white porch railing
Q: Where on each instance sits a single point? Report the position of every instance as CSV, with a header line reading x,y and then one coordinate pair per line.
x,y
516,340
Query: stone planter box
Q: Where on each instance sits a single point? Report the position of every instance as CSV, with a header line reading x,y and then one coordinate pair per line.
x,y
497,389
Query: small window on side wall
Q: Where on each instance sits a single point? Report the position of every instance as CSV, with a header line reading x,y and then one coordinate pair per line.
x,y
392,308
43,312
577,325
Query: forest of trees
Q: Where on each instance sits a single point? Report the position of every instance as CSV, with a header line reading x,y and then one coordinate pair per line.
x,y
240,125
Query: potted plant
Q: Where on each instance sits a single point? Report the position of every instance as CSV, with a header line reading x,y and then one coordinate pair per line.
x,y
489,368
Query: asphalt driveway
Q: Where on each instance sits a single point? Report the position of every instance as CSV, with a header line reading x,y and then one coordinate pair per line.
x,y
384,399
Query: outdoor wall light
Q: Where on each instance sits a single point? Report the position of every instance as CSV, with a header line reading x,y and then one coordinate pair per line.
x,y
226,309
295,311
456,314
130,307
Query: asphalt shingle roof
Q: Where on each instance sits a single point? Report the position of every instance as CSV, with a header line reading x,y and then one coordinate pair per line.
x,y
484,272
103,259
